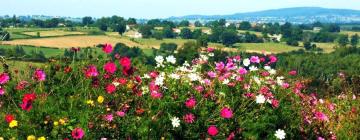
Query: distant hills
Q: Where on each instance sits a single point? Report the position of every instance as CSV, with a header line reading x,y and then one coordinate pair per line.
x,y
294,15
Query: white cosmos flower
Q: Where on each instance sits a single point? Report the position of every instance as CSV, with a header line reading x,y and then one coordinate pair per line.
x,y
171,59
159,80
145,89
279,80
175,122
246,62
280,134
267,67
257,80
146,76
116,84
159,59
260,99
272,71
226,81
174,76
253,68
193,77
211,54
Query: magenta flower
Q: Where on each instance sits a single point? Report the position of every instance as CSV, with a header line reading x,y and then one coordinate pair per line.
x,y
242,71
156,94
212,130
110,67
120,113
107,48
293,73
4,78
211,74
77,133
190,103
275,103
226,113
219,66
189,118
254,59
272,58
39,75
91,71
110,88
2,91
321,116
109,117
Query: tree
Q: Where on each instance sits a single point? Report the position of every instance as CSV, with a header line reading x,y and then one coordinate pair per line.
x,y
186,33
331,28
198,24
196,33
245,25
120,28
188,52
307,45
146,30
158,35
229,37
202,40
343,40
131,21
222,22
184,23
86,21
168,32
103,27
168,48
354,40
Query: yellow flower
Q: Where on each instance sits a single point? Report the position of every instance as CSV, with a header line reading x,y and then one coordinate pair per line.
x,y
13,124
56,123
31,137
1,138
90,102
41,138
100,99
62,121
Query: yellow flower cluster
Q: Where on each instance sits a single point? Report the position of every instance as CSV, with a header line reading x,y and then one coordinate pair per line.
x,y
100,99
32,137
13,124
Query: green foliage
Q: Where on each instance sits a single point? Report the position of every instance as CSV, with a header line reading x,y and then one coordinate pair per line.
x,y
186,33
146,30
198,24
354,41
343,40
168,32
86,21
229,37
245,25
184,23
188,52
202,40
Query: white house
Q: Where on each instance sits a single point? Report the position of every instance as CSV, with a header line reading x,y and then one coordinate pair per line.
x,y
275,37
176,30
317,29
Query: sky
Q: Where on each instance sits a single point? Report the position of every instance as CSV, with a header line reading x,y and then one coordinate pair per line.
x,y
157,8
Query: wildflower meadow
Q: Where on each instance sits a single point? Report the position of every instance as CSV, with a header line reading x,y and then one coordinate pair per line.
x,y
242,97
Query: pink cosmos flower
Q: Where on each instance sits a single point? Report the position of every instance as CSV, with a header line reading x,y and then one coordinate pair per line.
x,y
125,62
189,118
2,91
156,94
190,103
210,49
272,58
275,103
293,73
110,67
231,136
254,59
109,117
219,66
39,75
242,71
107,48
120,113
91,71
285,85
4,78
321,116
320,138
199,88
212,130
77,133
110,88
226,113
211,74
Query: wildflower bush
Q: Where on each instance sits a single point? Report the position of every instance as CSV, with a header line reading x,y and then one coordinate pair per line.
x,y
111,98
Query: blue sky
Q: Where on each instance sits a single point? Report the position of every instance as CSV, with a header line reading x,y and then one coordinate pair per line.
x,y
157,8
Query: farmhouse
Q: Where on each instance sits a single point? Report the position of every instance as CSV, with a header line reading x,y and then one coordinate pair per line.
x,y
275,37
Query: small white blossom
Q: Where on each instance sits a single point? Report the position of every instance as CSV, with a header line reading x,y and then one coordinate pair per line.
x,y
260,99
193,77
267,67
160,80
253,68
211,54
159,61
257,80
272,71
116,84
171,59
174,76
175,122
279,80
280,134
145,89
146,76
246,62
225,82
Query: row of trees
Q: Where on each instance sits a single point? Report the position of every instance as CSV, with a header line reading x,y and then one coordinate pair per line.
x,y
4,35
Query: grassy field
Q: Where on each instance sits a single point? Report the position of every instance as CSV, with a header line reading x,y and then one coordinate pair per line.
x,y
53,33
350,33
47,51
72,41
251,32
153,43
267,47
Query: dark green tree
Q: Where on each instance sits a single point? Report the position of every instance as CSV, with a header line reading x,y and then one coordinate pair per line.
x,y
245,25
229,37
343,40
186,33
184,23
146,30
168,32
86,21
198,24
354,40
